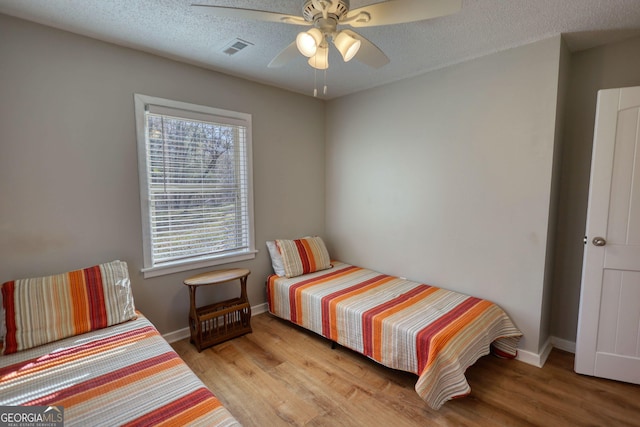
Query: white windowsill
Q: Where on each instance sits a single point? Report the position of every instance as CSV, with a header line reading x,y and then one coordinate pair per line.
x,y
194,265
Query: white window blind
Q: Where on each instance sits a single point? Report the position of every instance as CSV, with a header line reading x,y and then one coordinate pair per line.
x,y
196,189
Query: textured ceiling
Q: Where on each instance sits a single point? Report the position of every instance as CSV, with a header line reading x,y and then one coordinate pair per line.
x,y
174,29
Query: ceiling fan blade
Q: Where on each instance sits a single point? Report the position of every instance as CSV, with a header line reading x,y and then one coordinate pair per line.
x,y
369,53
401,11
256,15
286,55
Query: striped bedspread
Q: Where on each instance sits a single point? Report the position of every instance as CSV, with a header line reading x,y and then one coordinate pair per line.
x,y
126,374
434,333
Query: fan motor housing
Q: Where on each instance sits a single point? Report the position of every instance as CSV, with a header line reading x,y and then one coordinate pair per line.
x,y
335,8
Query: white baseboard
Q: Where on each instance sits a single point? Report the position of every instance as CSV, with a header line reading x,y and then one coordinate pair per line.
x,y
546,350
528,357
183,333
565,345
259,309
178,335
539,359
535,359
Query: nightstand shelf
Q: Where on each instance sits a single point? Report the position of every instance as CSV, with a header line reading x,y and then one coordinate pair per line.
x,y
221,321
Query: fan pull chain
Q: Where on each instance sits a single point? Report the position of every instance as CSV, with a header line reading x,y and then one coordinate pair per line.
x,y
324,90
315,80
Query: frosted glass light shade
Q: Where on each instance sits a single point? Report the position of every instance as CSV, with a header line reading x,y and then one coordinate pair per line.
x,y
308,42
347,45
320,60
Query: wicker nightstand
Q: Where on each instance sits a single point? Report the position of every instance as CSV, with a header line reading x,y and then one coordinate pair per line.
x,y
218,322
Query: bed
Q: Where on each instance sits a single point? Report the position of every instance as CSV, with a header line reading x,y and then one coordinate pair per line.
x,y
432,332
74,342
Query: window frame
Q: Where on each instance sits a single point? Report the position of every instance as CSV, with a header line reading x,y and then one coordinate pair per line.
x,y
191,111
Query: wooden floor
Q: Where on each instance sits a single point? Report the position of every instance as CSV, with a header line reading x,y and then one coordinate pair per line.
x,y
283,375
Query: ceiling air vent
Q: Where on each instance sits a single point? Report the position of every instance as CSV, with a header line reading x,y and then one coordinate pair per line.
x,y
236,46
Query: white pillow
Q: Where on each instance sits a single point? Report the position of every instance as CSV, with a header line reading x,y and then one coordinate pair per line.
x,y
276,258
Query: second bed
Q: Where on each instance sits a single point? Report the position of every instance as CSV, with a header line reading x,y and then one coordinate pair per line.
x,y
432,332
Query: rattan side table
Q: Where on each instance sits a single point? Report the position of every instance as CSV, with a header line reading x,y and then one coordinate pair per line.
x,y
221,321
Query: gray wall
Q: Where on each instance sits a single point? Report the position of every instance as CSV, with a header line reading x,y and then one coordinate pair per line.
x,y
69,170
446,178
605,67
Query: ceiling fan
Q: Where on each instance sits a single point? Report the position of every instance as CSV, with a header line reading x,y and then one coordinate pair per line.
x,y
324,16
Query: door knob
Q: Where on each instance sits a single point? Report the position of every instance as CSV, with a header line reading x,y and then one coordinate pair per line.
x,y
599,241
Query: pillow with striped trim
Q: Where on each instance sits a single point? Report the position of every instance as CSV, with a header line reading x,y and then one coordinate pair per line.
x,y
302,256
3,330
45,309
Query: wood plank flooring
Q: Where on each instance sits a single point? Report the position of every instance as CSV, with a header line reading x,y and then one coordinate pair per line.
x,y
283,375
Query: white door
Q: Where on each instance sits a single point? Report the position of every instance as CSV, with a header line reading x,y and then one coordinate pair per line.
x,y
608,342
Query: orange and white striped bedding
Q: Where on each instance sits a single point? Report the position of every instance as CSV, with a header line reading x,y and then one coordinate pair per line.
x,y
126,374
434,333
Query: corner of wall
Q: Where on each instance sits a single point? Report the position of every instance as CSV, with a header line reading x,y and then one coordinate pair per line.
x,y
536,359
554,197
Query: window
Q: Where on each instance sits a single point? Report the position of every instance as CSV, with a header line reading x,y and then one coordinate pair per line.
x,y
195,185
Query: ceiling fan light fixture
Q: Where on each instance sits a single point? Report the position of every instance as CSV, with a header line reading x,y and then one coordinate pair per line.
x,y
347,45
308,42
320,61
